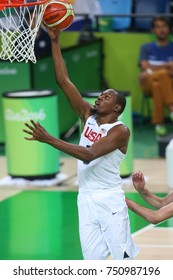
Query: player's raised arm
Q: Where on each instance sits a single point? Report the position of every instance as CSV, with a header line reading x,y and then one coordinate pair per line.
x,y
80,106
155,201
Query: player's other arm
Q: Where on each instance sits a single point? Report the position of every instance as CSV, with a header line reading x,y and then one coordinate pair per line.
x,y
151,216
116,138
80,106
155,201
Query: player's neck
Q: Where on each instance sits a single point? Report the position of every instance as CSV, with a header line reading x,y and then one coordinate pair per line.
x,y
105,119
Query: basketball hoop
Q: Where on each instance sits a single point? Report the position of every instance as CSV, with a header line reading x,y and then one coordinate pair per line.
x,y
19,23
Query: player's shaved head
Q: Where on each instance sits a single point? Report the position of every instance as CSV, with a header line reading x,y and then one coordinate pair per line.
x,y
120,98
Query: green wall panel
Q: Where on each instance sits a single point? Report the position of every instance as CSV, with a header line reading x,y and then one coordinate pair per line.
x,y
121,52
13,76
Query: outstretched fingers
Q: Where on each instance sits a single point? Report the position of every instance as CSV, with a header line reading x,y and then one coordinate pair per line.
x,y
31,130
34,123
30,139
138,176
38,124
29,126
30,133
36,131
27,131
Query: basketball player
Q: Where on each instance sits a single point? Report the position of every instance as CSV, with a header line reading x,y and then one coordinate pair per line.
x,y
164,205
103,214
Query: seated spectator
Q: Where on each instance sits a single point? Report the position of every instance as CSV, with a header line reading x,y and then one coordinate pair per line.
x,y
156,77
88,8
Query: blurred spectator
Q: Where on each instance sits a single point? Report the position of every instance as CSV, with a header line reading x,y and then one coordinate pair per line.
x,y
156,77
90,8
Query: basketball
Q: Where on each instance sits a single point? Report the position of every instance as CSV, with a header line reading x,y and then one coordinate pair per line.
x,y
58,14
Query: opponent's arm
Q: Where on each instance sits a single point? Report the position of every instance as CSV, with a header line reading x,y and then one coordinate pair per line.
x,y
78,104
155,201
151,216
117,138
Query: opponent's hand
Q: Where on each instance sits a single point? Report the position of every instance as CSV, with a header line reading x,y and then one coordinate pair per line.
x,y
36,131
128,202
138,181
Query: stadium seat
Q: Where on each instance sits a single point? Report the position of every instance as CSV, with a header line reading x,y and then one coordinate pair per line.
x,y
149,7
119,7
85,11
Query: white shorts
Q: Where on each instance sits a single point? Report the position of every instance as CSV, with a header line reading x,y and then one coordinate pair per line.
x,y
104,225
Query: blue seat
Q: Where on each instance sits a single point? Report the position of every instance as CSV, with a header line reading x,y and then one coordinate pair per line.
x,y
149,7
119,7
79,25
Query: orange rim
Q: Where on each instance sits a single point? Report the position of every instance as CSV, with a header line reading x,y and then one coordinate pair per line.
x,y
15,4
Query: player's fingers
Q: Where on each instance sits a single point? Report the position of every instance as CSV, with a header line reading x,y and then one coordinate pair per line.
x,y
33,138
29,126
135,175
38,124
27,131
141,176
34,123
42,22
138,175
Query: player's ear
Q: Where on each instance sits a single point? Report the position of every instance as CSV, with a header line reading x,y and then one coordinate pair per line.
x,y
117,108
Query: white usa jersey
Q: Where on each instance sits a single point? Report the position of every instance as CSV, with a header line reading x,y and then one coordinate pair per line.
x,y
101,173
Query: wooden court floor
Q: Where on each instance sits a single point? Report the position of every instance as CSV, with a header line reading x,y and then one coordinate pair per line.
x,y
27,232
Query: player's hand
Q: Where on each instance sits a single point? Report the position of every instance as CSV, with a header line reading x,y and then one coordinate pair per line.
x,y
52,32
138,181
36,131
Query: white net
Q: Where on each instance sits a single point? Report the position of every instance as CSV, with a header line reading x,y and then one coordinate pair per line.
x,y
18,30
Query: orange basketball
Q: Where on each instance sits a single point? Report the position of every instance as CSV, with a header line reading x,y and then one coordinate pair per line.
x,y
58,14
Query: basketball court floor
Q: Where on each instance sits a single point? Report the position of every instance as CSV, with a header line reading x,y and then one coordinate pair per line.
x,y
42,223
